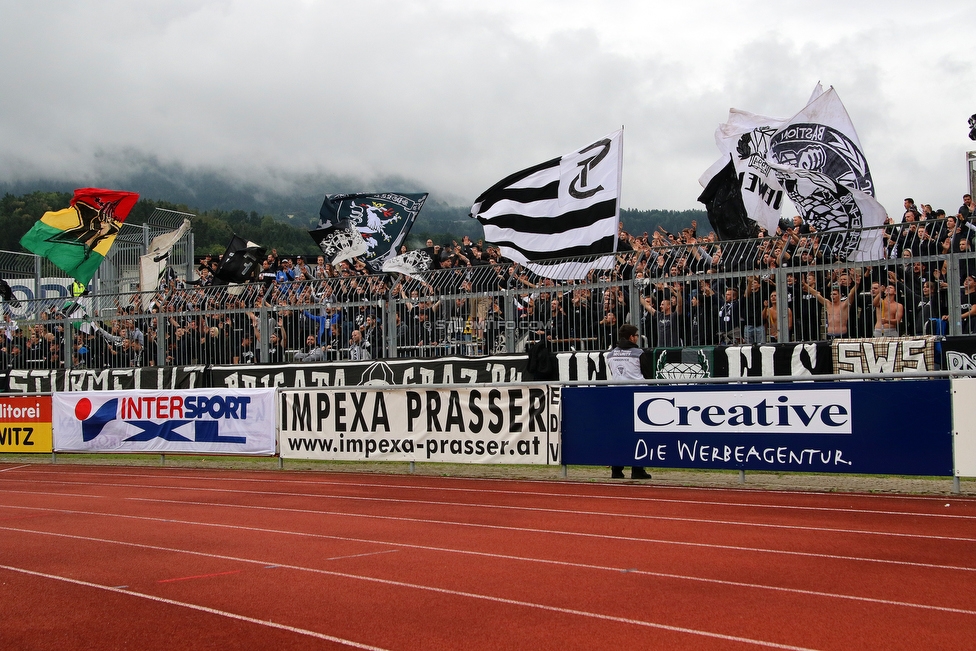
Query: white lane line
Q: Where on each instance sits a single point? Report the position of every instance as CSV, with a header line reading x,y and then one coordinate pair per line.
x,y
26,492
14,467
576,512
426,521
347,556
506,507
678,543
627,498
525,559
203,609
416,586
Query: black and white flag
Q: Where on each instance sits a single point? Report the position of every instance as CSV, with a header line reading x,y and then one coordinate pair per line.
x,y
567,207
152,266
241,262
411,263
815,159
339,242
722,197
382,220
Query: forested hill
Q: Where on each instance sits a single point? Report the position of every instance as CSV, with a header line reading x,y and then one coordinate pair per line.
x,y
288,232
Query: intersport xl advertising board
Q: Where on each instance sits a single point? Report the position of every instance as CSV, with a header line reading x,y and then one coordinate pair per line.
x,y
899,427
202,421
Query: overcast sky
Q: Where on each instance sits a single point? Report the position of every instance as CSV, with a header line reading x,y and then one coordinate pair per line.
x,y
456,95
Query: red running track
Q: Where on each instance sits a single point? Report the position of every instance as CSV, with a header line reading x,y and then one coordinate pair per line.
x,y
150,559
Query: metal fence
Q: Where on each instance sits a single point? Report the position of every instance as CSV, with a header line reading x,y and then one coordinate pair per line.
x,y
691,293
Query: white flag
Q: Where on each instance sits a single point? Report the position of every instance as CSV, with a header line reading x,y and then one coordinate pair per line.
x,y
564,208
411,263
152,265
815,158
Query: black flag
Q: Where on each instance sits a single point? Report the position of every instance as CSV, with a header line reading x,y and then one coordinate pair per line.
x,y
8,294
726,211
241,262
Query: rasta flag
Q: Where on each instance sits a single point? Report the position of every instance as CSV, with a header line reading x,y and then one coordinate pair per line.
x,y
77,238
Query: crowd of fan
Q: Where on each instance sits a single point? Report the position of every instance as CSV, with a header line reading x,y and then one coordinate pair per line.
x,y
686,296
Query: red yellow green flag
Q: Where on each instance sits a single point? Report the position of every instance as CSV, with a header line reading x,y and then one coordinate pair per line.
x,y
77,238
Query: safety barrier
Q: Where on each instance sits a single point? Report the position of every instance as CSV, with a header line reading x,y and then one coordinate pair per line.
x,y
680,295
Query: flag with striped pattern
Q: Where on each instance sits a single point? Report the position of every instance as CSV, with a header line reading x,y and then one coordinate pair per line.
x,y
564,208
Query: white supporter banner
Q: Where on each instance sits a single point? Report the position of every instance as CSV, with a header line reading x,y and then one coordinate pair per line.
x,y
510,424
201,421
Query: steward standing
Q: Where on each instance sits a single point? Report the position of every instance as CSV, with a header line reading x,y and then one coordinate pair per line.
x,y
629,361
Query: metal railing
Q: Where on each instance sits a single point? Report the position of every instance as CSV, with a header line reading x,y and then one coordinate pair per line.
x,y
680,294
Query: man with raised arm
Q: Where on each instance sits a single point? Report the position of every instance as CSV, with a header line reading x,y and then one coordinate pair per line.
x,y
837,308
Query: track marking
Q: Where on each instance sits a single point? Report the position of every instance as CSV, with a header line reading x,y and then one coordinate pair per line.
x,y
342,558
198,576
203,609
415,586
484,526
939,500
666,575
665,518
26,465
27,492
680,543
543,561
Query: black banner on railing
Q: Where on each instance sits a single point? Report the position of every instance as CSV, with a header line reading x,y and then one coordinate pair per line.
x,y
772,360
674,363
106,379
959,353
583,366
444,370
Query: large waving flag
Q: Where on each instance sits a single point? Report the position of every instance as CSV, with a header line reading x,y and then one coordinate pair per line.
x,y
563,208
815,159
726,211
382,219
77,238
745,138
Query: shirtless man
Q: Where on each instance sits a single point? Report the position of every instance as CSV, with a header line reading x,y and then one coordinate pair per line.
x,y
837,309
889,313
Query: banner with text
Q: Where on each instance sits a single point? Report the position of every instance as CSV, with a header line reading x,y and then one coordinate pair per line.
x,y
885,355
774,360
511,425
844,427
25,424
202,421
104,379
